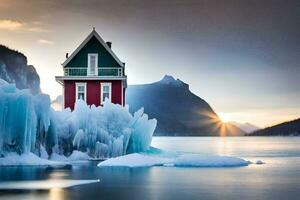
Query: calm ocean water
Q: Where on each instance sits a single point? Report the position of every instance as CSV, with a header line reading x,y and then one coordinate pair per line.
x,y
278,179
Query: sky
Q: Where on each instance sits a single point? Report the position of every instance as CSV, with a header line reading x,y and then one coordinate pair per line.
x,y
242,57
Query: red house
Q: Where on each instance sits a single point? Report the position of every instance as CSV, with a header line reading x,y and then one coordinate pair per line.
x,y
93,73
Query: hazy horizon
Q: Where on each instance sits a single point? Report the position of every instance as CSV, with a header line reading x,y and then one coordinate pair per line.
x,y
241,57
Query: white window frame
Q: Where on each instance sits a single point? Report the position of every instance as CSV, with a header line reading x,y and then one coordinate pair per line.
x,y
120,71
80,84
89,63
110,89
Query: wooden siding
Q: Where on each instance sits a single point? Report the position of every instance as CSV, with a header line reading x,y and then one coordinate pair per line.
x,y
93,92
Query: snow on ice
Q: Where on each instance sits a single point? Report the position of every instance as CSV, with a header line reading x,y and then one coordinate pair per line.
x,y
13,158
135,160
179,160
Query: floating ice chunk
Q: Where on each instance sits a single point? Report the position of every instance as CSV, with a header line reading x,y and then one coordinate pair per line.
x,y
26,159
259,162
196,160
171,160
43,185
135,160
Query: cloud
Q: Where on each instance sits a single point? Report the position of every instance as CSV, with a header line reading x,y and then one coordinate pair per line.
x,y
10,25
14,25
42,41
38,29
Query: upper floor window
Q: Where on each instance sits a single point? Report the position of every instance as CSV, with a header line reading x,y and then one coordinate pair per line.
x,y
92,64
81,91
105,92
120,72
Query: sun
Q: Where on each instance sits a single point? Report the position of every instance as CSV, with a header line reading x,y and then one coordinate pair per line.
x,y
224,117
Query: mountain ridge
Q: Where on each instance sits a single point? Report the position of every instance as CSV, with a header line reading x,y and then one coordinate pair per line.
x,y
179,112
283,129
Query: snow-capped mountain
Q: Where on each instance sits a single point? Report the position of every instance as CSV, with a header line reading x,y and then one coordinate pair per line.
x,y
247,127
178,111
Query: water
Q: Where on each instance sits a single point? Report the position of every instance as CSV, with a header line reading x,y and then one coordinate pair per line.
x,y
279,178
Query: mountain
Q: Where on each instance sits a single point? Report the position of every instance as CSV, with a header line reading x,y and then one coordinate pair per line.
x,y
283,129
14,69
179,112
247,127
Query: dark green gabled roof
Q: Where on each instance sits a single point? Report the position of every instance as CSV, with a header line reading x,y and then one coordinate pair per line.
x,y
94,36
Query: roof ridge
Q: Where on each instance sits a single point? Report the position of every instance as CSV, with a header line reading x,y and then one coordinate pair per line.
x,y
85,41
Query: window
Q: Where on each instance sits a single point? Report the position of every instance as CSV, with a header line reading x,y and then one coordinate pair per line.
x,y
92,64
105,92
81,91
120,72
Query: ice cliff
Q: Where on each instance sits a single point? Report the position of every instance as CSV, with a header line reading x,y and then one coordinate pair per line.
x,y
29,124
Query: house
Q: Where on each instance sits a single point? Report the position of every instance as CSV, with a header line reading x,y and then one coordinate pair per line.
x,y
93,73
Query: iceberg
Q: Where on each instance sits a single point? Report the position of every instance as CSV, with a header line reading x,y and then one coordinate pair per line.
x,y
29,125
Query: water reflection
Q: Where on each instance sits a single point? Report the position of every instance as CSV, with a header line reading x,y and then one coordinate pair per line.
x,y
232,146
276,180
56,194
43,184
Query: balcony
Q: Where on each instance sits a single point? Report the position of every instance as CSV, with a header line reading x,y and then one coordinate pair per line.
x,y
102,71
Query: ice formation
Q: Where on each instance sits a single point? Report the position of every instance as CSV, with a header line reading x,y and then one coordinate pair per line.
x,y
21,115
103,132
32,133
29,124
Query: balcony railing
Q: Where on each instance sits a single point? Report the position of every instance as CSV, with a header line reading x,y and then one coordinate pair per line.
x,y
102,71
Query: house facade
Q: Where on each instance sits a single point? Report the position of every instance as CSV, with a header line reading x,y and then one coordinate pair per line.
x,y
93,73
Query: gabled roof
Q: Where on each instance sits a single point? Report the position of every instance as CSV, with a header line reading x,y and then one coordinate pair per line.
x,y
87,39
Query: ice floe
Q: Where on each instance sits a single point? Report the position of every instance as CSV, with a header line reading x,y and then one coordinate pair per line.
x,y
43,184
196,160
149,159
135,160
